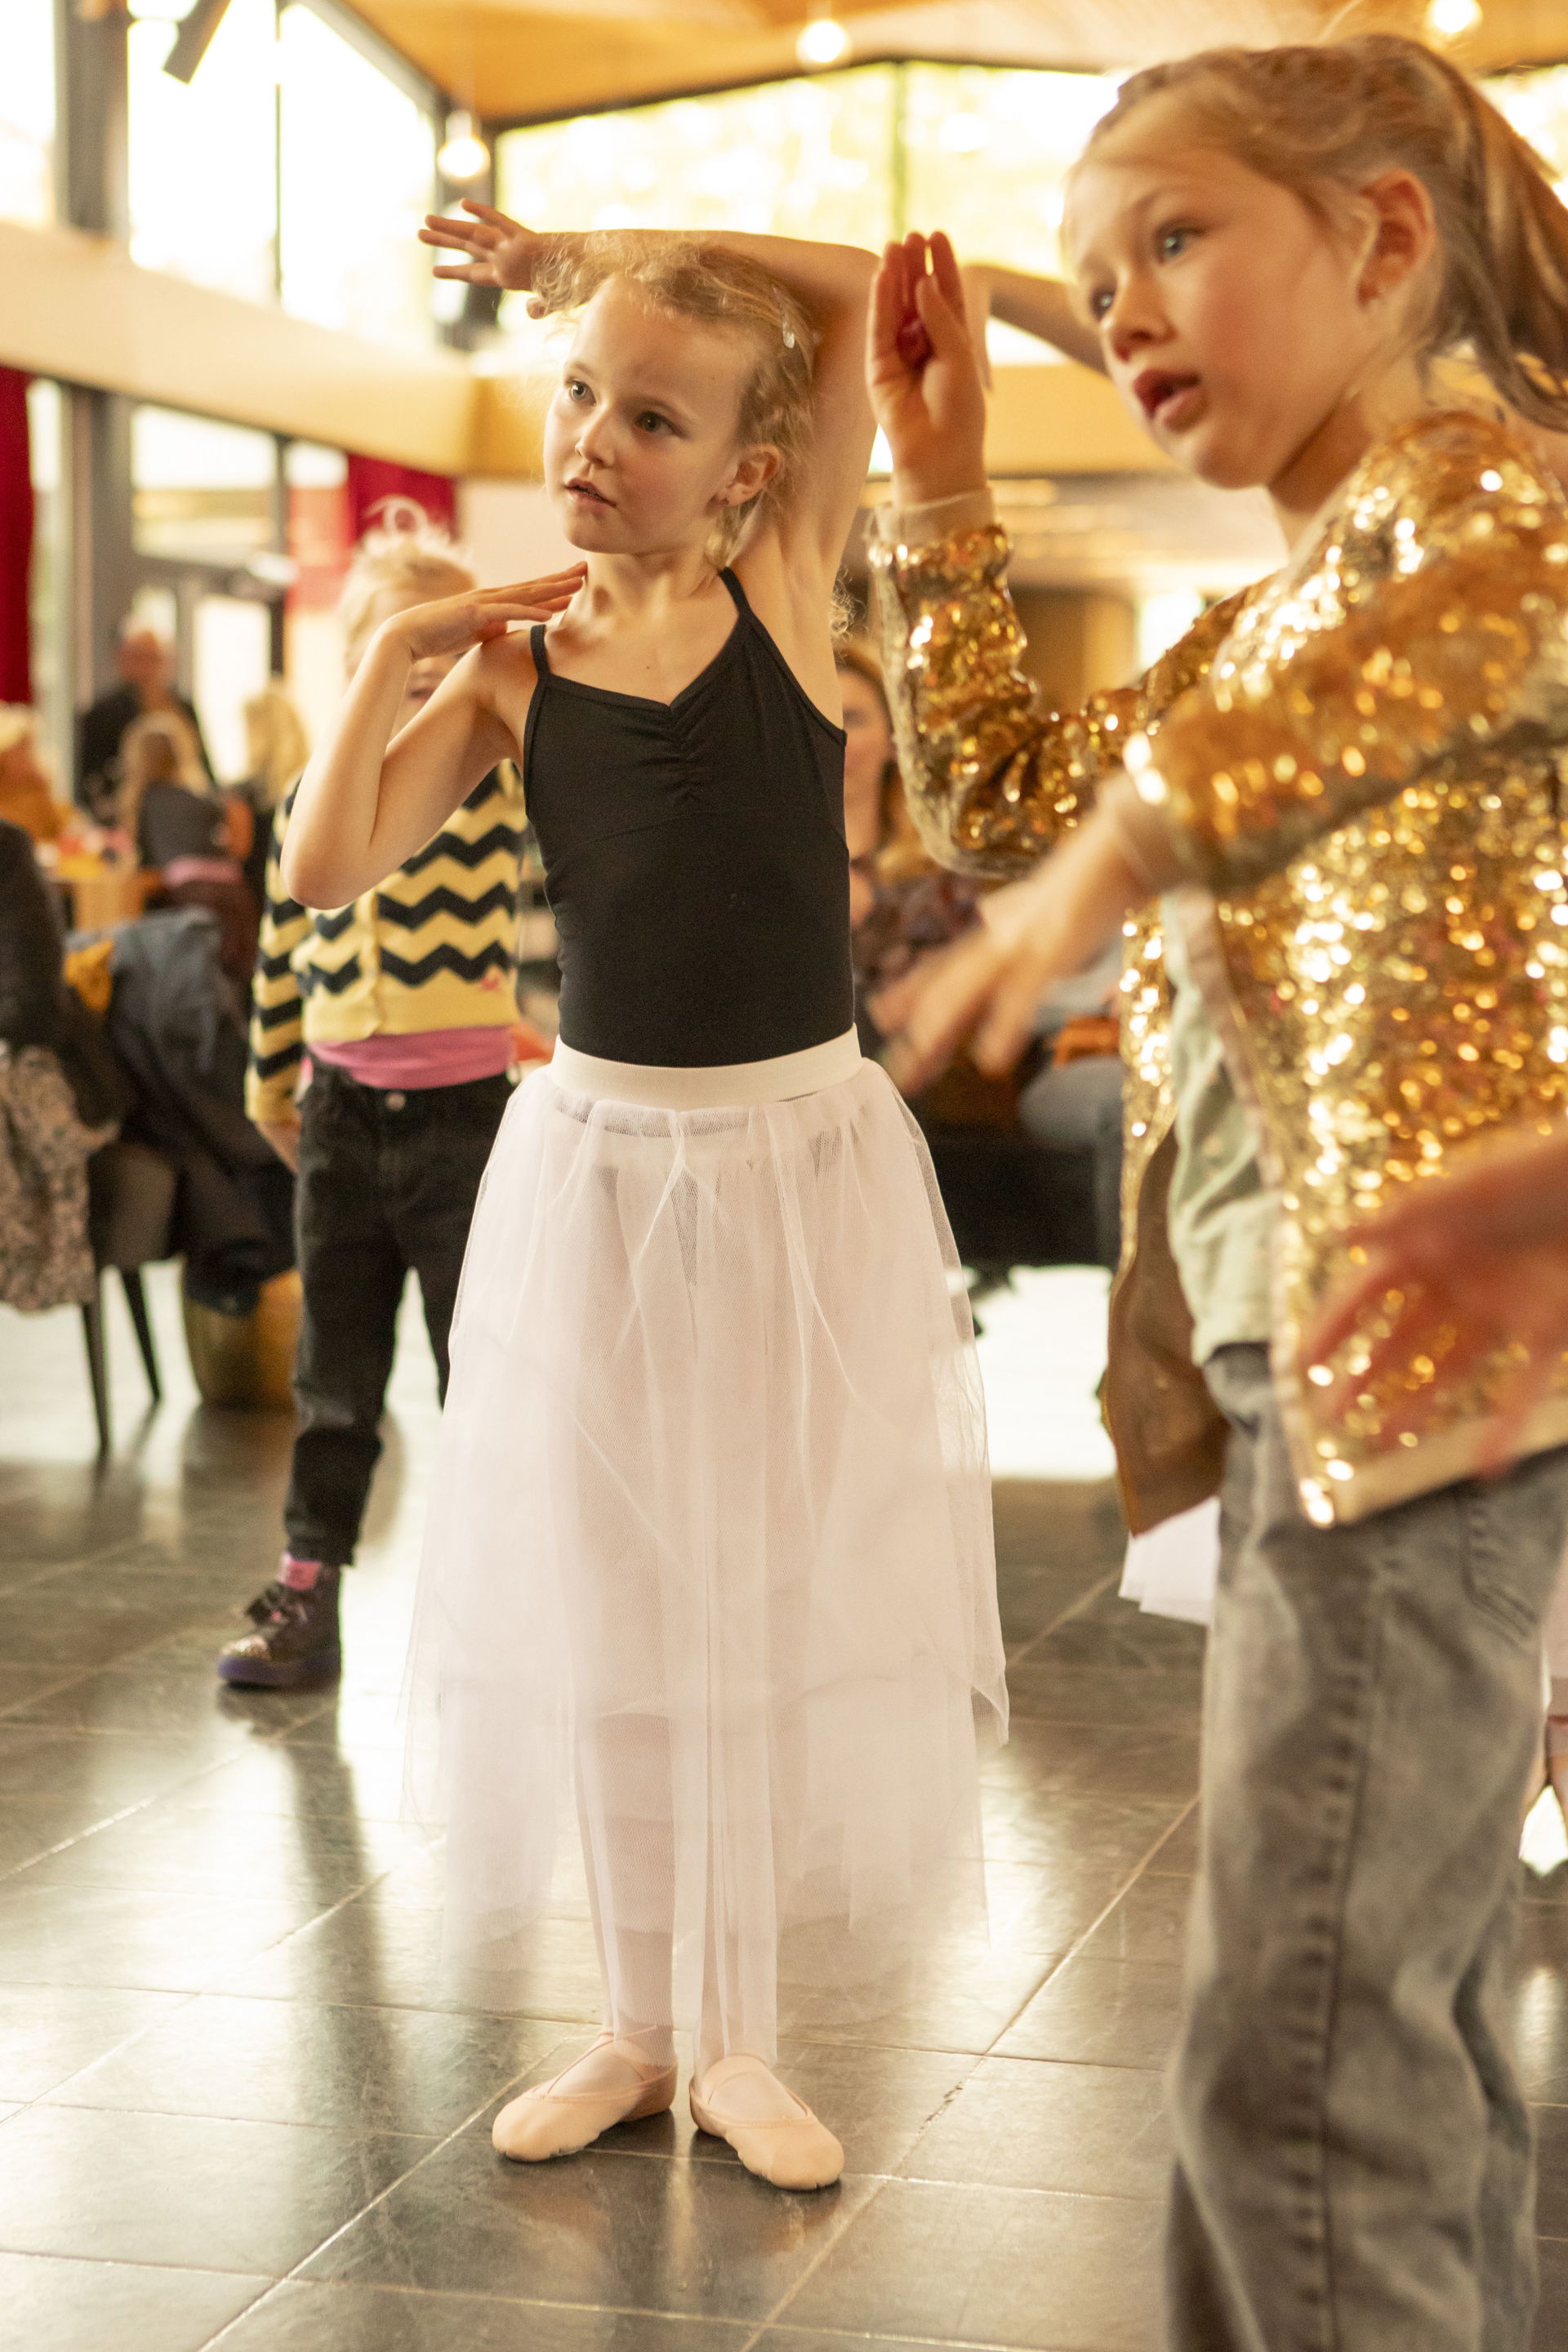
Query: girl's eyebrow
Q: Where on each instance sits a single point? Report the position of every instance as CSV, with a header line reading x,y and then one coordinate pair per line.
x,y
1164,191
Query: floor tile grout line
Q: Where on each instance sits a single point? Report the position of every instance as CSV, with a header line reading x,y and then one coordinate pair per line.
x,y
369,2207
1075,1947
1074,1609
836,2238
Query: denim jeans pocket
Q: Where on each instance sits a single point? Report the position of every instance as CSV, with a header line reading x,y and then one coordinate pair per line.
x,y
1507,1525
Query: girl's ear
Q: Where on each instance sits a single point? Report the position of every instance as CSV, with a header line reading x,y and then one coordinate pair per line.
x,y
758,465
1403,235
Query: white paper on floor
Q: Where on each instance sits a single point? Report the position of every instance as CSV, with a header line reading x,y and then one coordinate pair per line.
x,y
1042,1351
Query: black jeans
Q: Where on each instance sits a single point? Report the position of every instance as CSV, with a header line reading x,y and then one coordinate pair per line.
x,y
387,1184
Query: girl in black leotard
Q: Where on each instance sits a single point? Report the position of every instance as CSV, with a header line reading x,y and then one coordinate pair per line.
x,y
708,1585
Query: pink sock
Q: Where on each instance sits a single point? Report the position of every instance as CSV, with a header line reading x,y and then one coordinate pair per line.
x,y
299,1575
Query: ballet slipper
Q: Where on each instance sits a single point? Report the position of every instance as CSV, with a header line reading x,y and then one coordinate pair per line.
x,y
550,2121
793,2151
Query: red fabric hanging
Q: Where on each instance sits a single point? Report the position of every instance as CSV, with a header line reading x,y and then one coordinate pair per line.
x,y
15,538
371,479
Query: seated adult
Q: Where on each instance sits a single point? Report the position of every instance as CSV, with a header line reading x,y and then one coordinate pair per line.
x,y
187,832
146,664
27,798
46,1257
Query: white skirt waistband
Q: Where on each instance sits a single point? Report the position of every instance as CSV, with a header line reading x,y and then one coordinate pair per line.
x,y
722,1088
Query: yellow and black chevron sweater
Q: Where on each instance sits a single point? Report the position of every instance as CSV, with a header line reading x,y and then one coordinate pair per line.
x,y
433,948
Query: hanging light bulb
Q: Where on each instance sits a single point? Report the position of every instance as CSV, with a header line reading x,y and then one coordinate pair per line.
x,y
463,156
823,41
1450,20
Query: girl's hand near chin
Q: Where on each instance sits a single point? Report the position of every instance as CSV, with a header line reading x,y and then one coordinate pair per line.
x,y
989,985
500,251
454,623
922,374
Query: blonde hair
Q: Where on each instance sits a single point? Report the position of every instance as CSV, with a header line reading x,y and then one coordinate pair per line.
x,y
277,745
1323,121
159,748
689,279
18,724
404,553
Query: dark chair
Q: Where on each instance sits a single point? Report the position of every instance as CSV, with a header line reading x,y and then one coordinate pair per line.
x,y
130,1211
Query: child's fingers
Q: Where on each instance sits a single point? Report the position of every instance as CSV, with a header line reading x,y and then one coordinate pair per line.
x,y
1010,1018
946,271
1342,1309
887,305
947,328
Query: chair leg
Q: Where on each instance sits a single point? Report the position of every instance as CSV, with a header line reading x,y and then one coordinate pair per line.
x,y
92,1323
136,1299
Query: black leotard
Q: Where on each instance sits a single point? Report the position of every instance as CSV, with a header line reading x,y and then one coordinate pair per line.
x,y
694,859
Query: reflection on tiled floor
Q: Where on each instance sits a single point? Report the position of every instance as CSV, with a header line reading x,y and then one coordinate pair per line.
x,y
237,2105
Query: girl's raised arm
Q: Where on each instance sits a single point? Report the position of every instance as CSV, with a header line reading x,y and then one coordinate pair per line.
x,y
834,281
1045,307
363,807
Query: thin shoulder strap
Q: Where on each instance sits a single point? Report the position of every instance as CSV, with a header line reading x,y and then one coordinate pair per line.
x,y
540,672
738,594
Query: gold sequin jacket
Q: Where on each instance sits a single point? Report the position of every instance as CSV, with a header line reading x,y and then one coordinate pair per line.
x,y
1356,766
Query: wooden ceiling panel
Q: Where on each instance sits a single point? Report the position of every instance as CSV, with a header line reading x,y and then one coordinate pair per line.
x,y
512,58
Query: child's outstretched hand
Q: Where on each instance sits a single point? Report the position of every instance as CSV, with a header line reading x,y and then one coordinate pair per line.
x,y
453,623
921,373
500,251
989,984
1479,1261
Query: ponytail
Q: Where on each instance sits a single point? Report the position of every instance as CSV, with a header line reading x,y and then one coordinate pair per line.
x,y
1325,120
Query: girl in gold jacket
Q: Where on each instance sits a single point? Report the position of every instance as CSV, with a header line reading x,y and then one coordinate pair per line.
x,y
1342,790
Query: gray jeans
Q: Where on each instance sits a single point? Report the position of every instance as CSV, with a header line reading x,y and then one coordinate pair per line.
x,y
1354,2160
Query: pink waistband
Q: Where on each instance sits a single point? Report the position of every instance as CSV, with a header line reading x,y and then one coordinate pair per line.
x,y
425,1058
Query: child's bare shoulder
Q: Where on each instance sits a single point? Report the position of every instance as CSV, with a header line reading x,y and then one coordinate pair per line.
x,y
503,671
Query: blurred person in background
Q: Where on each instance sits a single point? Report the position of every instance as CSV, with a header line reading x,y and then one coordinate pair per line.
x,y
275,747
192,835
381,1041
27,796
146,664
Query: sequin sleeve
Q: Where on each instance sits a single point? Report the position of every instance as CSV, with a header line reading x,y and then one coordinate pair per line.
x,y
993,775
1429,625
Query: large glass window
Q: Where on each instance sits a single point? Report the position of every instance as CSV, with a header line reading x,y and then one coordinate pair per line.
x,y
28,112
202,492
358,175
203,154
859,155
1536,106
808,158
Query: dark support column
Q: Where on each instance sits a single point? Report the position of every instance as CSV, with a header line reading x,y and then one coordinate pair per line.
x,y
92,193
100,455
90,160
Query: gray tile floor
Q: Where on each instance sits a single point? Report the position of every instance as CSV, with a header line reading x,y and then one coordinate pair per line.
x,y
237,2107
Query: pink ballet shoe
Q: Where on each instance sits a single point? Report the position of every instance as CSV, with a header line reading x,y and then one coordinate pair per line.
x,y
551,2121
793,2151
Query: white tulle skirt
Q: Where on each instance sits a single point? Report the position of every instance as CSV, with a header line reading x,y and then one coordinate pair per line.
x,y
708,1595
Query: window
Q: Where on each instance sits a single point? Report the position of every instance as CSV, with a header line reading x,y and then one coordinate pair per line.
x,y
1536,106
357,177
859,155
202,492
27,114
204,155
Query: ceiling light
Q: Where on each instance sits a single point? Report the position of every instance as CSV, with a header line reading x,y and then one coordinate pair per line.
x,y
463,156
823,42
1449,20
